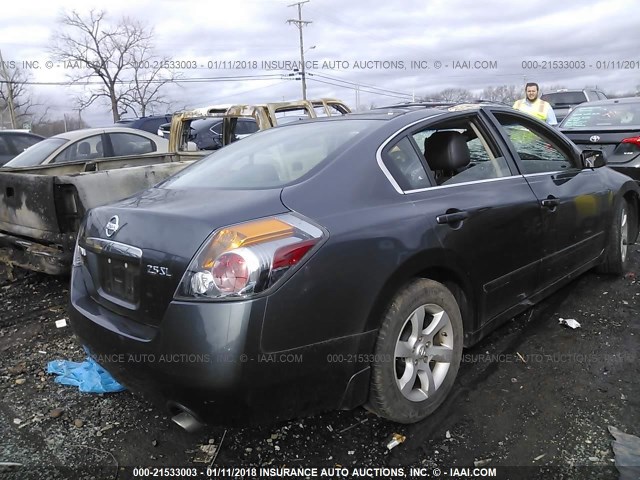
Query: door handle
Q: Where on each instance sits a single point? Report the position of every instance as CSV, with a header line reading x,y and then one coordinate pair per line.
x,y
551,203
452,217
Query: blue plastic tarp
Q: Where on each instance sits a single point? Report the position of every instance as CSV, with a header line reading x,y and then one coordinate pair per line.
x,y
88,376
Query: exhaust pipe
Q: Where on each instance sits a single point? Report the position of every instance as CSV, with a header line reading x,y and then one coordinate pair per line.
x,y
187,421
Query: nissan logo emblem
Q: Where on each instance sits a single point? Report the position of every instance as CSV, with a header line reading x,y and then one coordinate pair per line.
x,y
112,226
594,138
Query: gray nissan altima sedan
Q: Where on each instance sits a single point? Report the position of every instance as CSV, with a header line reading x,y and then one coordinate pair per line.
x,y
339,262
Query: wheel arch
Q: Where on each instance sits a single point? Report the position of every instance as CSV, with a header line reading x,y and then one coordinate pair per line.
x,y
633,200
428,265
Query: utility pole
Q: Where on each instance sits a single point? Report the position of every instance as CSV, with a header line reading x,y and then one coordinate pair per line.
x,y
7,78
300,24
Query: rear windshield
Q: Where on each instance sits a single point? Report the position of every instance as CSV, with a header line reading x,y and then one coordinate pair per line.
x,y
564,99
612,115
271,158
36,153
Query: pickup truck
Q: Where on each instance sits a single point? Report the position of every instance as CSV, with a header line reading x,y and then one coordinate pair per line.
x,y
41,207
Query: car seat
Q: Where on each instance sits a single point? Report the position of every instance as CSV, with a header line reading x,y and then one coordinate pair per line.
x,y
84,149
446,153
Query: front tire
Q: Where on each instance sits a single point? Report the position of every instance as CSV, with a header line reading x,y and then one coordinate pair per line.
x,y
418,352
616,256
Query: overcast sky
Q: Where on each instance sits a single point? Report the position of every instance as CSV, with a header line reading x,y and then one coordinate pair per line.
x,y
598,39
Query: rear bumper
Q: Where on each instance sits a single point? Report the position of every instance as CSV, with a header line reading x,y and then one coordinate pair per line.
x,y
206,358
34,256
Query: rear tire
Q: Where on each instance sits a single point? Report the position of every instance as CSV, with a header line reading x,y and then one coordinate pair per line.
x,y
417,354
616,255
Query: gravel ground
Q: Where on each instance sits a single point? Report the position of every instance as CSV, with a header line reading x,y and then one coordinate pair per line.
x,y
534,399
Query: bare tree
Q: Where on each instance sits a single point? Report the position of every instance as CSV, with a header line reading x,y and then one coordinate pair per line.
x,y
454,95
113,55
16,97
508,93
490,94
68,122
149,76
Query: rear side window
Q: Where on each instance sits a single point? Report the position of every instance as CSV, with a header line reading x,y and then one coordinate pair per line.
x,y
271,158
405,166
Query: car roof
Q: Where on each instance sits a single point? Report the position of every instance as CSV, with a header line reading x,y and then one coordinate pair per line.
x,y
421,110
87,132
611,101
573,90
150,117
22,132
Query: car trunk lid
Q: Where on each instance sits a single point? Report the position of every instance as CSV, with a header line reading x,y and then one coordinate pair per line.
x,y
136,269
609,141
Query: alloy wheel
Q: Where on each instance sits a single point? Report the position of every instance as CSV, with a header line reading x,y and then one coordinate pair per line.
x,y
423,352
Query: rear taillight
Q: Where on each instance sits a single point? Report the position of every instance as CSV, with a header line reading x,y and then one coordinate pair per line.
x,y
249,258
79,253
633,140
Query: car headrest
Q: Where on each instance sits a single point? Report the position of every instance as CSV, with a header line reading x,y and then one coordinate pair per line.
x,y
84,148
446,150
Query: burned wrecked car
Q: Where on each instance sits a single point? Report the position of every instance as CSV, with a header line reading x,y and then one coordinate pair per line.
x,y
341,262
238,121
44,195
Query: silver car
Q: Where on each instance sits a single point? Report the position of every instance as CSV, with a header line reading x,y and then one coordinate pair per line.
x,y
90,144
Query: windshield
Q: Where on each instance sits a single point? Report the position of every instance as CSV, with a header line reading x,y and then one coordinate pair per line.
x,y
271,158
626,115
37,153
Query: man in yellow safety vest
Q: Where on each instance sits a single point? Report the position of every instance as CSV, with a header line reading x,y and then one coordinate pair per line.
x,y
536,106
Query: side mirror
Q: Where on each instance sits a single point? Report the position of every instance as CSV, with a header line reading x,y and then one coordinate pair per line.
x,y
592,159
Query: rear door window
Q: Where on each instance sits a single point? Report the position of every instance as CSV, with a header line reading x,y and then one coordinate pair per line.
x,y
484,161
130,144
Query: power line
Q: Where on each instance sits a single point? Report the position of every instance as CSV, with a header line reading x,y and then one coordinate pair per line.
x,y
300,23
241,93
403,97
359,84
177,80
